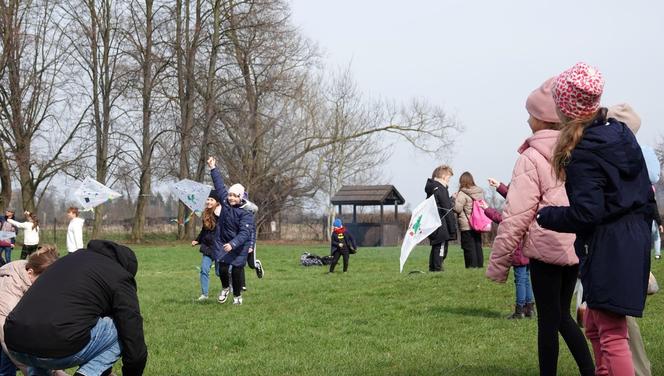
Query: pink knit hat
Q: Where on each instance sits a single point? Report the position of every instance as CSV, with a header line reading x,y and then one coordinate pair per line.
x,y
577,91
540,103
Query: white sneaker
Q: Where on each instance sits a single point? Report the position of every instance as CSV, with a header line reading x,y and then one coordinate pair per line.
x,y
237,300
223,295
259,269
202,297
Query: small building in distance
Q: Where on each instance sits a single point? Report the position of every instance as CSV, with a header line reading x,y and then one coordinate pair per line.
x,y
386,232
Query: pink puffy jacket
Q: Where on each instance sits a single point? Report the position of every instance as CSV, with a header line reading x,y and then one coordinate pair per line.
x,y
533,186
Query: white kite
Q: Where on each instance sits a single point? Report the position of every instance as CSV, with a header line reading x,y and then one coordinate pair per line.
x,y
193,194
424,221
92,193
7,235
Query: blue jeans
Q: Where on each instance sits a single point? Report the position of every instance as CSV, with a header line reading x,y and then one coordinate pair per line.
x,y
7,368
206,264
524,290
656,239
97,356
7,253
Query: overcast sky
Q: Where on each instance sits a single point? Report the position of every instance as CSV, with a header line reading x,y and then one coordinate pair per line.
x,y
480,60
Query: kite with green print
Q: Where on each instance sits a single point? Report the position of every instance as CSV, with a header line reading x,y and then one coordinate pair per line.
x,y
193,194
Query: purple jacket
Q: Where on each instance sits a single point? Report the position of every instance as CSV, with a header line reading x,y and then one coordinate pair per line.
x,y
518,259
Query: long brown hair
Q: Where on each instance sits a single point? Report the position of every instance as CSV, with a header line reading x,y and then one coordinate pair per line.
x,y
35,220
466,180
42,258
569,137
209,219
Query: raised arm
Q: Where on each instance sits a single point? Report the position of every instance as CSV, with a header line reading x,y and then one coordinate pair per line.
x,y
217,180
20,224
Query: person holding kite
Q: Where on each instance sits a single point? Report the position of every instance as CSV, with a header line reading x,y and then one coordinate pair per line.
x,y
206,240
31,234
233,234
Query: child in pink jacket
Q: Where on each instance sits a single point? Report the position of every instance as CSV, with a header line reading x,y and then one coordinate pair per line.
x,y
524,305
554,265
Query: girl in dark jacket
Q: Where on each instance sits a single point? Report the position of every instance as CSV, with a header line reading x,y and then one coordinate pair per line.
x,y
609,199
206,240
233,234
437,186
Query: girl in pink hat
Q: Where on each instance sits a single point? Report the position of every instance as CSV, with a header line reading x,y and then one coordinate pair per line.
x,y
609,211
553,263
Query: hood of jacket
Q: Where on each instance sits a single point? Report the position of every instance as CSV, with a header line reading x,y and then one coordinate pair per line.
x,y
16,273
116,252
613,142
431,186
543,141
475,192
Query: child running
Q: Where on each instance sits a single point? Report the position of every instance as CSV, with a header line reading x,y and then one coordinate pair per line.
x,y
206,239
233,234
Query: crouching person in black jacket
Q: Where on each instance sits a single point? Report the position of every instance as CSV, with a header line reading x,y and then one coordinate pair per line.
x,y
84,312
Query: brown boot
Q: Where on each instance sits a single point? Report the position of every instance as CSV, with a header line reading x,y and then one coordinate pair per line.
x,y
529,310
518,313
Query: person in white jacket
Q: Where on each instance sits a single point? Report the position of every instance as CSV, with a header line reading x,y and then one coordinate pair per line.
x,y
74,230
30,234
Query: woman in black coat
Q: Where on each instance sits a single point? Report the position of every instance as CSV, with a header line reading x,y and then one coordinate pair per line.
x,y
437,186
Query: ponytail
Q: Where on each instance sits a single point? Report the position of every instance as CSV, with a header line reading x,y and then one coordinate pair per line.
x,y
569,137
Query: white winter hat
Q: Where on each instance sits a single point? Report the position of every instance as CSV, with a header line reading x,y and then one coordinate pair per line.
x,y
236,189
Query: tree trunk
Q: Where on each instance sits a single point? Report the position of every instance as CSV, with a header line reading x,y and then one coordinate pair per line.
x,y
144,188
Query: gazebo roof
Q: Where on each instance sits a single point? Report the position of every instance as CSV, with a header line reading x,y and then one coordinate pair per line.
x,y
366,195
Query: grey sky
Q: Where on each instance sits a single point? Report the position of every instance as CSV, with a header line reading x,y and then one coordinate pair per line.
x,y
480,60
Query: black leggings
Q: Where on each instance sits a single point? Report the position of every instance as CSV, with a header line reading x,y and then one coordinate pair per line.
x,y
235,274
336,256
27,250
471,243
553,286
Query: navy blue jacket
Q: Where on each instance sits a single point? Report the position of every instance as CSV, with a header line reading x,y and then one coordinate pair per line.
x,y
233,227
610,197
206,240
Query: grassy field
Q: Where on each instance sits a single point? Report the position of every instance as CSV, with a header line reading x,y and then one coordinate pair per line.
x,y
369,321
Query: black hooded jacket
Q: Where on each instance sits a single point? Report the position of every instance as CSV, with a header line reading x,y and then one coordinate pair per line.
x,y
448,230
55,316
610,200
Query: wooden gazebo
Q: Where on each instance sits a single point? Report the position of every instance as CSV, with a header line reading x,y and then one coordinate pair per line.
x,y
371,234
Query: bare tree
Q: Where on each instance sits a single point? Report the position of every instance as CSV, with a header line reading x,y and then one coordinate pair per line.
x,y
96,33
32,101
271,139
141,36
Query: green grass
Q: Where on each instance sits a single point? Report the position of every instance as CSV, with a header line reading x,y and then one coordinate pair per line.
x,y
369,321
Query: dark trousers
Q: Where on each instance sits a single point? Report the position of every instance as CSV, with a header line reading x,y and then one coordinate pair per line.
x,y
471,243
435,259
6,365
235,275
27,250
335,259
251,265
553,286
